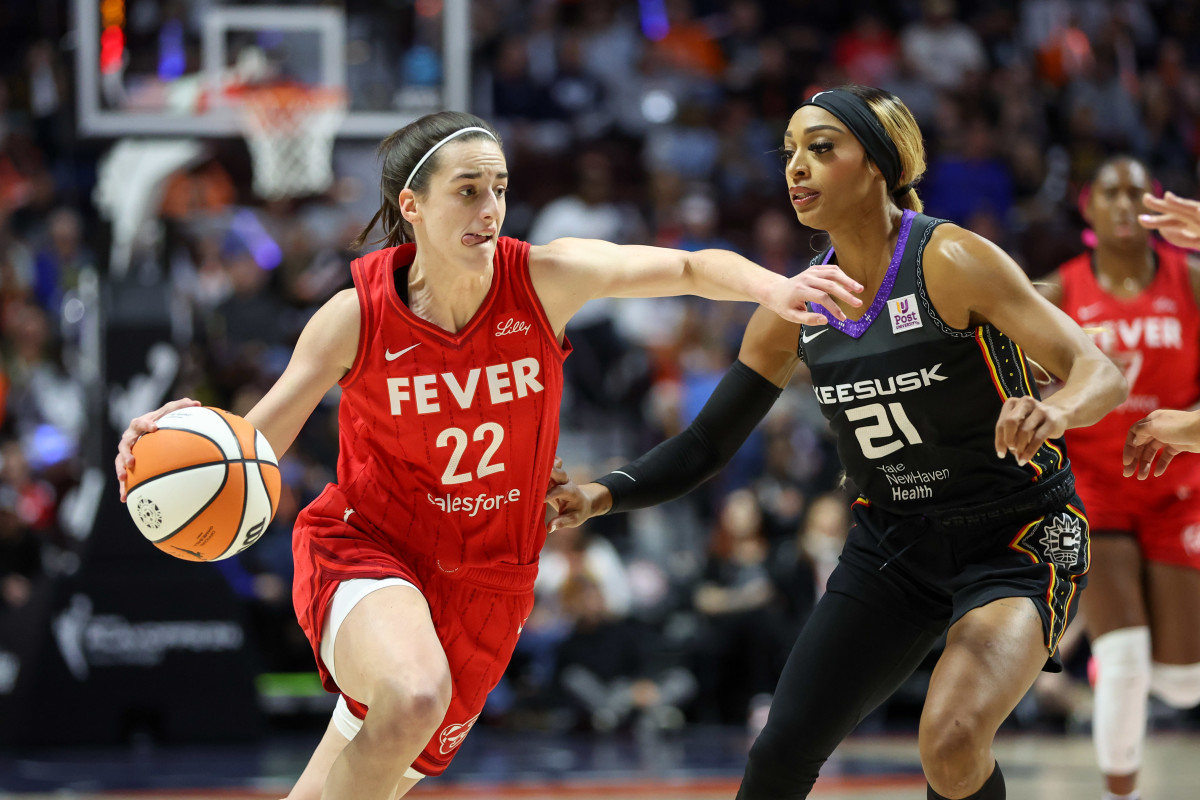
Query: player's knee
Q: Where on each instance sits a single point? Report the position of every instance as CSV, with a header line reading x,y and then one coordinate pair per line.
x,y
778,767
954,747
400,707
1177,685
1123,655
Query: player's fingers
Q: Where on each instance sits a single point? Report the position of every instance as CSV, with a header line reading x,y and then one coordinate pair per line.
x,y
831,287
1164,460
1174,201
1006,426
810,318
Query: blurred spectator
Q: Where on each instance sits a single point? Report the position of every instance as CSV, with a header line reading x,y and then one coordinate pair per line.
x,y
969,179
20,552
58,262
868,53
741,652
46,405
611,669
573,551
942,50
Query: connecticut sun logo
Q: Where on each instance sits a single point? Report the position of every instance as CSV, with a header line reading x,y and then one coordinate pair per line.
x,y
1061,540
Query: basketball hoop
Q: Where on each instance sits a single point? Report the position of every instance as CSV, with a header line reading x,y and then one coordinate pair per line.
x,y
290,131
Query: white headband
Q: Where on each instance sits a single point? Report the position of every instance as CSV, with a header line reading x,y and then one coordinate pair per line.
x,y
433,150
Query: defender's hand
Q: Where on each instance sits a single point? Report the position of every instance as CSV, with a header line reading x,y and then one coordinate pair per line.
x,y
574,504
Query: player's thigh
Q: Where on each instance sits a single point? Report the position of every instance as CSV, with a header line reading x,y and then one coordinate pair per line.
x,y
1173,597
992,656
387,640
1114,598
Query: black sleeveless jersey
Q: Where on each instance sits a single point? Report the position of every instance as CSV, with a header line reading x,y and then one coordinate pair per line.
x,y
914,402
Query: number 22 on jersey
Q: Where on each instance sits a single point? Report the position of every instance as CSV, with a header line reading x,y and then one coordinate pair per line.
x,y
456,438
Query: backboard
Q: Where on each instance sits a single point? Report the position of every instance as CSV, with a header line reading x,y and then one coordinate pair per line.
x,y
172,67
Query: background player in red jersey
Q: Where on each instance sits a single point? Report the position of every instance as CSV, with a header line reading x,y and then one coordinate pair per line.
x,y
414,572
1166,432
1140,299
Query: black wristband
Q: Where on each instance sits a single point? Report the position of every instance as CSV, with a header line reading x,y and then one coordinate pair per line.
x,y
683,462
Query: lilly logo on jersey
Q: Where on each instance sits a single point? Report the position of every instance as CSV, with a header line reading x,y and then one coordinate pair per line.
x,y
904,313
512,325
504,383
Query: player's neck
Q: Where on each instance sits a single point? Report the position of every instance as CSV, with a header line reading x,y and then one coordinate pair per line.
x,y
446,297
1124,273
864,244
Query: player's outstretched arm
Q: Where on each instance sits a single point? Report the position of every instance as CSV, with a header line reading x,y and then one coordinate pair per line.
x,y
1164,433
568,272
683,462
1177,219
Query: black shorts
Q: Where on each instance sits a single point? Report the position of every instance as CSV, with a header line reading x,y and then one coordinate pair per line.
x,y
933,569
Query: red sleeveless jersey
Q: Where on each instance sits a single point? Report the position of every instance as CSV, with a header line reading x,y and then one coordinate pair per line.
x,y
447,440
1155,338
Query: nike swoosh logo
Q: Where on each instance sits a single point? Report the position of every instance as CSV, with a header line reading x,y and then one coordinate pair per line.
x,y
390,356
804,337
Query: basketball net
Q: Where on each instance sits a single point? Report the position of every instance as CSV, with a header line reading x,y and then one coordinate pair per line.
x,y
290,131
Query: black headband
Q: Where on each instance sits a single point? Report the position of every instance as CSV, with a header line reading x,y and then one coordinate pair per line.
x,y
854,112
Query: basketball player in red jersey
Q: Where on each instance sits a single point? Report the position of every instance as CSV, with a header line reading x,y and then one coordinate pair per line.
x,y
1166,432
1141,300
415,571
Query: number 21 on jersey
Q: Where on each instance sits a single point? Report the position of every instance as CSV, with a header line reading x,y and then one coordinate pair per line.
x,y
879,438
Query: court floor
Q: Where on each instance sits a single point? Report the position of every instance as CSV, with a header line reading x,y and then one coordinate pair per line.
x,y
698,765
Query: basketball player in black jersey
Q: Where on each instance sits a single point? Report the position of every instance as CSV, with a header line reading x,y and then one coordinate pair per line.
x,y
968,519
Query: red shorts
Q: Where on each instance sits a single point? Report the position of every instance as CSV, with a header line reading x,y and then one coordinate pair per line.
x,y
478,612
1164,516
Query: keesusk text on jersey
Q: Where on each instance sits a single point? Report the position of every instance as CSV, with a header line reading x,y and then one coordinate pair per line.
x,y
878,387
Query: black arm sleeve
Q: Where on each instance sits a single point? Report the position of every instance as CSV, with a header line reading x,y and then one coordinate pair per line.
x,y
685,461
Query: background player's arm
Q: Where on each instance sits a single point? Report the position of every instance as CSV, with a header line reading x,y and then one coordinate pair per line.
x,y
971,282
567,273
324,353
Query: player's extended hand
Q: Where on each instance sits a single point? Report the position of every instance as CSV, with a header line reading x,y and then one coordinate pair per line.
x,y
1164,433
817,284
1177,219
143,424
573,504
558,475
1024,425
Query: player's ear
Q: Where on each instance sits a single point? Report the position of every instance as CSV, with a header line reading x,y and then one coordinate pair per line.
x,y
407,201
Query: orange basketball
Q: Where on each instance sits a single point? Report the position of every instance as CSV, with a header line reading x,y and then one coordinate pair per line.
x,y
203,486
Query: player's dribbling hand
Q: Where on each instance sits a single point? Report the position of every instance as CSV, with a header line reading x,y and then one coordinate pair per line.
x,y
817,284
143,424
1024,426
1177,219
1164,433
573,504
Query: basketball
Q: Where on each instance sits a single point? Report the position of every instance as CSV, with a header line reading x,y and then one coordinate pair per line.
x,y
204,486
